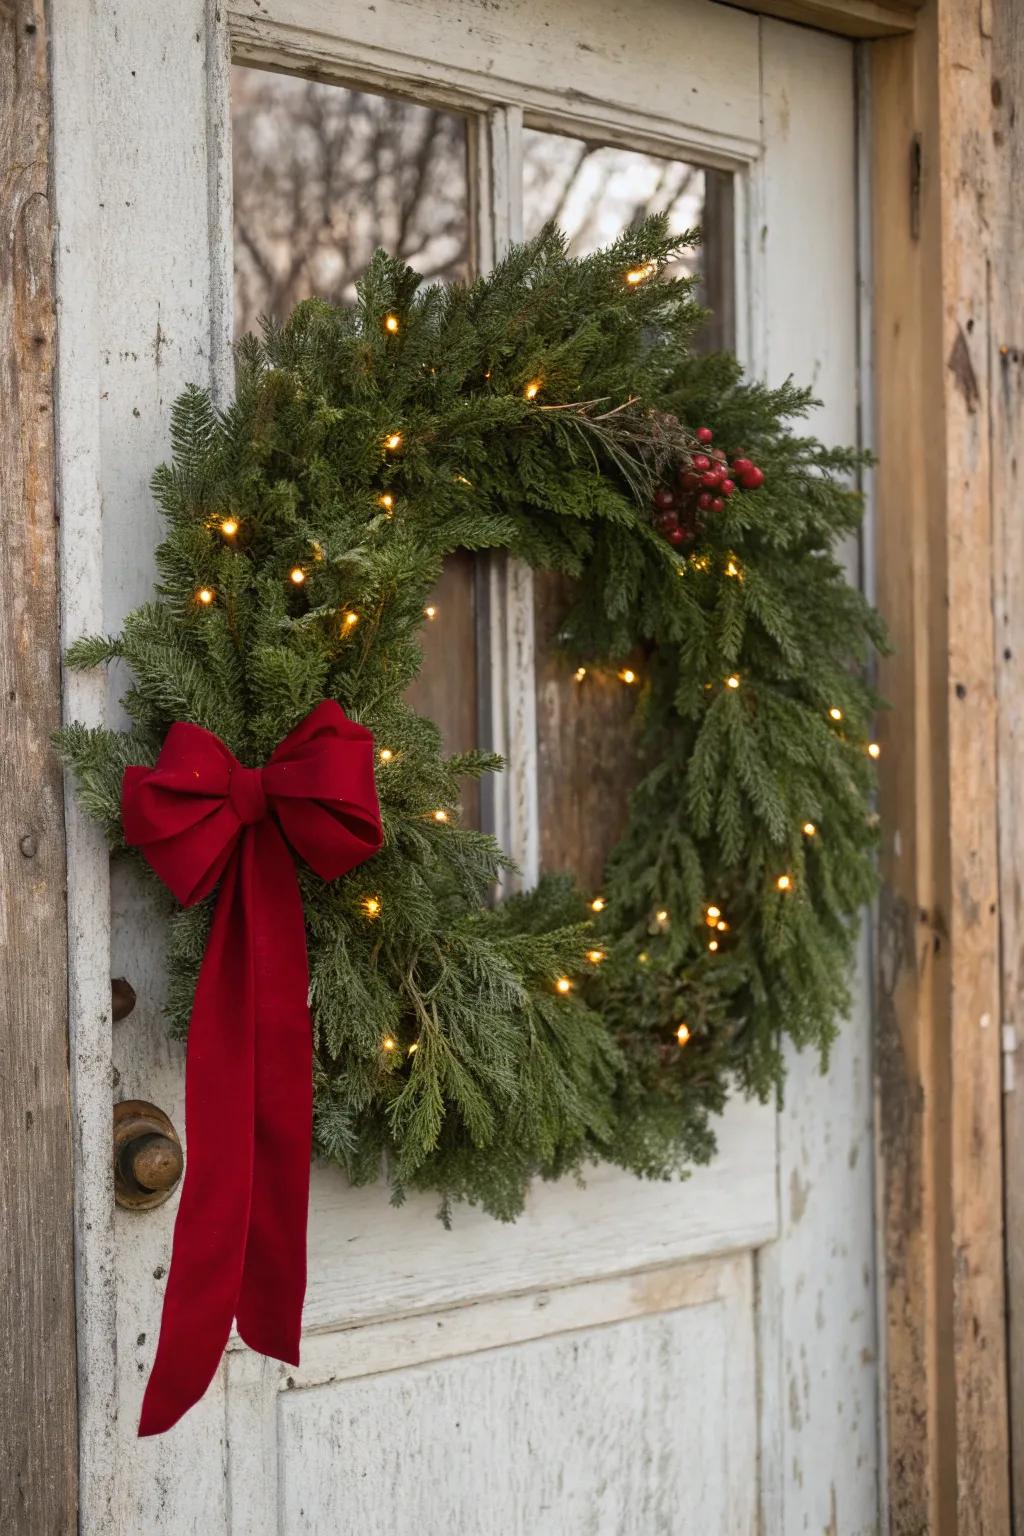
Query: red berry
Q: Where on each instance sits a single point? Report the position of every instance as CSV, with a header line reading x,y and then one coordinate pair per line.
x,y
739,465
727,487
709,481
664,500
751,479
701,463
704,501
667,521
688,480
719,456
717,504
704,434
676,536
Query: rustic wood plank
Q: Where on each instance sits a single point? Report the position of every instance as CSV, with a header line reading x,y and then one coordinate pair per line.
x,y
850,18
1006,371
587,765
939,1062
817,1282
38,1433
446,689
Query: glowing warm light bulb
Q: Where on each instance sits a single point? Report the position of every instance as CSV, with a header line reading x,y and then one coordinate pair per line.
x,y
713,946
414,1047
598,904
809,829
595,956
835,713
229,527
350,619
371,906
386,754
386,501
440,815
532,389
627,675
714,913
205,596
643,957
640,275
393,441
388,1043
661,916
732,682
722,925
683,1033
391,323
430,611
563,985
297,574
732,569
580,674
874,750
783,883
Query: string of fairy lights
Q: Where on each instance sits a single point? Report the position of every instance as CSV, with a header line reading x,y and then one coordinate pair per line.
x,y
372,906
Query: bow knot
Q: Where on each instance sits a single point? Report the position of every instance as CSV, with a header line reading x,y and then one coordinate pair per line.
x,y
199,817
247,794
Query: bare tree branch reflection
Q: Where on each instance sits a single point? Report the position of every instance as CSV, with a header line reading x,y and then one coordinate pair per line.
x,y
323,175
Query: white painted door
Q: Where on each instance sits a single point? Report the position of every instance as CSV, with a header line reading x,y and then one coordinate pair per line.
x,y
629,1359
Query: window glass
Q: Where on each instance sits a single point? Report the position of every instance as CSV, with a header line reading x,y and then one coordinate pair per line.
x,y
324,175
585,764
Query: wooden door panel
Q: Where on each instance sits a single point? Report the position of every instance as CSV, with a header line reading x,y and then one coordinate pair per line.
x,y
623,1406
367,1259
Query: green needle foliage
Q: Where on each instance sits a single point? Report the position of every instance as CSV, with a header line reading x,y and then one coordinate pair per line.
x,y
444,1050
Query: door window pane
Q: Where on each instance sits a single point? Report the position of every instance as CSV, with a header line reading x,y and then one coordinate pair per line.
x,y
323,175
594,191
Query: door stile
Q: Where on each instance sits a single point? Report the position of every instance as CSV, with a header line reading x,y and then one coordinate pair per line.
x,y
506,650
84,696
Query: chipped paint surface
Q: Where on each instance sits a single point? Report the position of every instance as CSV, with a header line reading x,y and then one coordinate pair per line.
x,y
619,1337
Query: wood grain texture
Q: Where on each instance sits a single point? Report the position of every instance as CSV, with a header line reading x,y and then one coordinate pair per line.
x,y
641,1425
587,765
849,18
261,1391
816,1283
633,73
939,1003
1006,374
446,689
38,1430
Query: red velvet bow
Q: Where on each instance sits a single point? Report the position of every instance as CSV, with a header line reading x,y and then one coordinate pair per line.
x,y
199,817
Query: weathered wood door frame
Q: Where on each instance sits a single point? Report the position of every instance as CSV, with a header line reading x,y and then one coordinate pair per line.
x,y
948,262
38,1425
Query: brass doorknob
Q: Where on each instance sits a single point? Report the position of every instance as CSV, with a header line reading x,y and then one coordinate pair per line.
x,y
148,1159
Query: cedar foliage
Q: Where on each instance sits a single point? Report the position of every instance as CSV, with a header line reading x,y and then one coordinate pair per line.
x,y
510,1079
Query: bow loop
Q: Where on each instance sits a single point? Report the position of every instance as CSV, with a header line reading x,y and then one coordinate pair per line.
x,y
199,817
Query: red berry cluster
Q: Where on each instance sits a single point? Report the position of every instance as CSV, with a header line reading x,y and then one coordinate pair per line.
x,y
704,483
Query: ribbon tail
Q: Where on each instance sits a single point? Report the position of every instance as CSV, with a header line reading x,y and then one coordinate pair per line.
x,y
274,1274
213,1215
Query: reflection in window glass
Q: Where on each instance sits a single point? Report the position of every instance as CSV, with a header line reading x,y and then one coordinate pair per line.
x,y
323,175
593,191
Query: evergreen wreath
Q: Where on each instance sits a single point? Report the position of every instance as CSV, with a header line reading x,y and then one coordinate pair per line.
x,y
554,409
